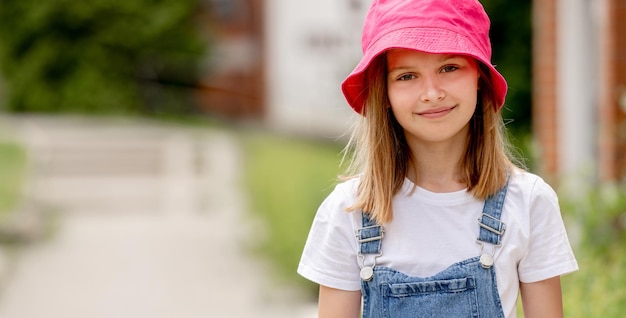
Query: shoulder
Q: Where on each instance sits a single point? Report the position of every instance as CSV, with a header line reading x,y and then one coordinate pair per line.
x,y
329,255
348,186
539,228
531,202
530,187
344,193
333,211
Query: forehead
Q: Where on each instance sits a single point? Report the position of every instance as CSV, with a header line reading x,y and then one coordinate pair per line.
x,y
400,56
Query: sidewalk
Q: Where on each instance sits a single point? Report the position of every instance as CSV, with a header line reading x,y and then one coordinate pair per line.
x,y
152,223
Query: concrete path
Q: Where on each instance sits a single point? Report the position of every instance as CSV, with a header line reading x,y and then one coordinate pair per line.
x,y
151,223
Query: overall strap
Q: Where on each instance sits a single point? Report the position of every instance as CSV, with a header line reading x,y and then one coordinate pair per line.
x,y
369,235
491,228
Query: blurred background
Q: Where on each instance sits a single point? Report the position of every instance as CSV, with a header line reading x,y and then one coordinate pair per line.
x,y
166,158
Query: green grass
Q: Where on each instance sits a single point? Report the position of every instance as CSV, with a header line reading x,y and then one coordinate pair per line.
x,y
287,180
12,166
597,290
599,216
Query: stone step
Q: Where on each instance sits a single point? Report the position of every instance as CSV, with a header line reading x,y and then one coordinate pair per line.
x,y
90,161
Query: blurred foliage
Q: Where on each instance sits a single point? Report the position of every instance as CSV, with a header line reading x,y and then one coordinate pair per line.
x,y
287,180
12,169
598,232
601,213
98,56
511,39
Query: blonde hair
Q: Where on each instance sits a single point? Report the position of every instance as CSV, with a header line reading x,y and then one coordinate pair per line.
x,y
380,155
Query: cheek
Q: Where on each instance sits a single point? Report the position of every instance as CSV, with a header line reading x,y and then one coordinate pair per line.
x,y
468,91
399,99
472,97
471,102
399,109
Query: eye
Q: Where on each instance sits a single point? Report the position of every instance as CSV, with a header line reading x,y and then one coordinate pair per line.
x,y
449,68
406,77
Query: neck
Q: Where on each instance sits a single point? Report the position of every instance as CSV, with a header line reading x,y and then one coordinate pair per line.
x,y
437,166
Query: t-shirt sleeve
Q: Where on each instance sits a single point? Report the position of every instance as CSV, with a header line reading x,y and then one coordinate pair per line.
x,y
329,256
549,253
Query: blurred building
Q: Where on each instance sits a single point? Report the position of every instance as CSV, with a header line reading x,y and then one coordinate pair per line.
x,y
282,61
579,102
235,68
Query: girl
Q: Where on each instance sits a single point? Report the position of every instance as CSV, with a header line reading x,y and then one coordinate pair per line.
x,y
437,221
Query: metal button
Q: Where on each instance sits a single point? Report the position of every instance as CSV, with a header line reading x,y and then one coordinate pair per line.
x,y
367,273
486,261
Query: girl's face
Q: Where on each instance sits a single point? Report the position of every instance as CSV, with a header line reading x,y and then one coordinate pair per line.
x,y
433,96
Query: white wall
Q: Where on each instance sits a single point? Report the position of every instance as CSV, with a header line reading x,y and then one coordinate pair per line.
x,y
576,89
311,47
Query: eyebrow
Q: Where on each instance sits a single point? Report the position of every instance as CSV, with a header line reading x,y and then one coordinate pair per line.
x,y
444,57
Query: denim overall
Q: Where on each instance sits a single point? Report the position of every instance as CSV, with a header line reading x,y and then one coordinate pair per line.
x,y
465,289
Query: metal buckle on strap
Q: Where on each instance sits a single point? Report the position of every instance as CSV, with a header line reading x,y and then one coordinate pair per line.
x,y
489,228
359,234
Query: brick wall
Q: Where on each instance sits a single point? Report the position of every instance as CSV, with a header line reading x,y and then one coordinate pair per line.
x,y
544,86
234,85
606,131
612,91
619,32
611,99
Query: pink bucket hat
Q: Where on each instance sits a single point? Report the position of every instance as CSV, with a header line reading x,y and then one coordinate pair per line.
x,y
433,26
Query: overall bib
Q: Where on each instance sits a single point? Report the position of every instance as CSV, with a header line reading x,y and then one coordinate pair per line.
x,y
465,289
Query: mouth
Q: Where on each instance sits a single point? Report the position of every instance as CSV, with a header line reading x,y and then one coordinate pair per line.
x,y
436,112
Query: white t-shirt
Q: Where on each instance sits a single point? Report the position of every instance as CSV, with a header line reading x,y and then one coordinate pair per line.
x,y
431,231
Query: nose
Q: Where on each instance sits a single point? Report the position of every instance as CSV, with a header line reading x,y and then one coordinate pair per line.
x,y
431,89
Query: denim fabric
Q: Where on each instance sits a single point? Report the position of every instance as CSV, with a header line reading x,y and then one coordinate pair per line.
x,y
465,289
491,228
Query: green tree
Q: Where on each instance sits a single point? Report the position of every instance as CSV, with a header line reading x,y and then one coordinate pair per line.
x,y
511,38
98,56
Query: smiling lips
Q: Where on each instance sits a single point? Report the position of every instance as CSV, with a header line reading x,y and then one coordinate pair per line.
x,y
436,112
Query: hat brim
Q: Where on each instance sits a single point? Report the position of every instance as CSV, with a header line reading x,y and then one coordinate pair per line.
x,y
429,40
